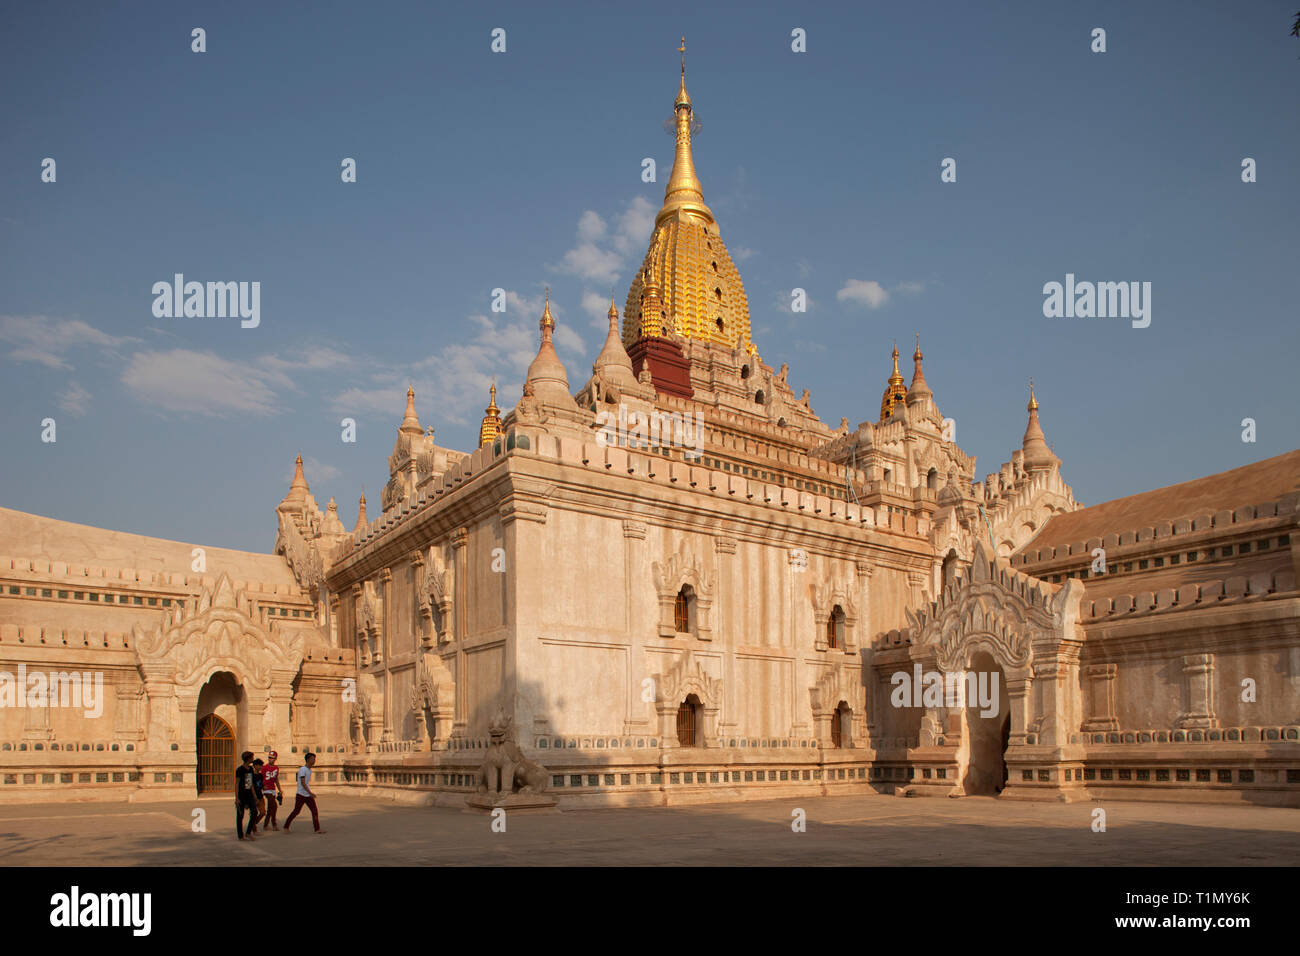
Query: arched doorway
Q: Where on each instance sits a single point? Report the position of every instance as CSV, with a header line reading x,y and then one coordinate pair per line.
x,y
987,726
216,749
688,722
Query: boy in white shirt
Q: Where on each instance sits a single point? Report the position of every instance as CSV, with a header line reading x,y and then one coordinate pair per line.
x,y
304,794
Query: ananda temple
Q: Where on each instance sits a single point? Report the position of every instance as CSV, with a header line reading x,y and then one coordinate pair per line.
x,y
671,581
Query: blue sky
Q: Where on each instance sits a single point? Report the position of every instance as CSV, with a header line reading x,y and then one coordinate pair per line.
x,y
479,170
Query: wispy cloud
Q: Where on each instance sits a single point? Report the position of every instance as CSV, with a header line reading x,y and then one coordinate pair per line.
x,y
201,383
605,245
75,400
51,341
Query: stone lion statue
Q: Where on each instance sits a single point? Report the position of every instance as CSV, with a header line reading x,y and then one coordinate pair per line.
x,y
505,767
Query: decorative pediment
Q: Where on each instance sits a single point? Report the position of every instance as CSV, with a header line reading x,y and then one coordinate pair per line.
x,y
996,608
832,687
434,687
669,575
825,596
687,676
213,633
435,589
682,568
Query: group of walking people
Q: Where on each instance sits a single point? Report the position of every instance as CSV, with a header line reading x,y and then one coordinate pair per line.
x,y
258,792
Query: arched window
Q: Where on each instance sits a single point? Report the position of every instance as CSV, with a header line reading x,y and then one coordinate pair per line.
x,y
718,323
932,480
688,722
684,611
839,720
717,291
758,396
744,372
835,629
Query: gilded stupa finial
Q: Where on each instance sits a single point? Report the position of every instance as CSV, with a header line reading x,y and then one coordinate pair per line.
x,y
1033,402
548,321
895,391
490,430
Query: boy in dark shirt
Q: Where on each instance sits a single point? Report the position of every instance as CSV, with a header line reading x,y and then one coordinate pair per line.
x,y
244,795
259,785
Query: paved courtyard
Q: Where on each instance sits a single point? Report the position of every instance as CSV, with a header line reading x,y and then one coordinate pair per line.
x,y
857,830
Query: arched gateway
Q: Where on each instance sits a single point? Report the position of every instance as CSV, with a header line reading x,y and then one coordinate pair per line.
x,y
206,665
993,636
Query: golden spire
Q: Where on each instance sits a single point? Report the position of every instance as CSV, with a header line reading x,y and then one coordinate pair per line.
x,y
683,190
687,284
548,322
1033,402
683,98
490,430
895,393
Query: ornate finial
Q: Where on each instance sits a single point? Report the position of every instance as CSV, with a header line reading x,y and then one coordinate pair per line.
x,y
490,430
1033,402
548,322
682,50
917,356
410,391
895,391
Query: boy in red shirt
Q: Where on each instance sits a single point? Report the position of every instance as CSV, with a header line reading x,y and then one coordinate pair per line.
x,y
271,789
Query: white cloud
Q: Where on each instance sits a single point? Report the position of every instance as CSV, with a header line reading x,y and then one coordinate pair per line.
x,y
455,380
48,341
590,226
635,226
863,292
75,399
600,254
202,383
741,253
589,261
910,288
596,306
